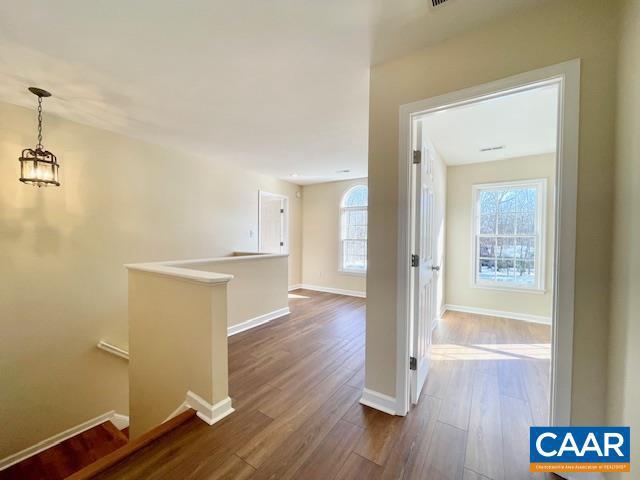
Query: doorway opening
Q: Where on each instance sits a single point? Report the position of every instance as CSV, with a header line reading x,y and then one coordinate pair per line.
x,y
486,246
273,223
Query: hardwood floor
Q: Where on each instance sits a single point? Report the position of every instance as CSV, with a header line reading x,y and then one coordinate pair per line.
x,y
296,382
496,373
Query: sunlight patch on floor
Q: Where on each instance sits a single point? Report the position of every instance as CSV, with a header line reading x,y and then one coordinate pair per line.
x,y
295,295
495,351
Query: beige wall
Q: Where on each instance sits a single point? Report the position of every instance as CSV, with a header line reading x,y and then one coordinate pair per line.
x,y
62,252
460,289
259,285
624,379
178,343
553,33
321,237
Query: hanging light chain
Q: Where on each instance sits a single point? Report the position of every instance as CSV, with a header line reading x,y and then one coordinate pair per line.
x,y
39,146
39,167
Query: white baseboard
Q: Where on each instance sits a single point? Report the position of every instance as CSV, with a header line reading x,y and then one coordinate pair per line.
x,y
379,401
208,413
295,286
254,322
498,313
337,291
120,421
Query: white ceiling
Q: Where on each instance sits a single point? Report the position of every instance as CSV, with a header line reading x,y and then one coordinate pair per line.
x,y
524,123
277,86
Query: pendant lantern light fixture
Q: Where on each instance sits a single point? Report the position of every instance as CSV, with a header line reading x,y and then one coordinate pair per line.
x,y
39,167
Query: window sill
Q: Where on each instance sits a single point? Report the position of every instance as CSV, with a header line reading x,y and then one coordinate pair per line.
x,y
504,288
355,273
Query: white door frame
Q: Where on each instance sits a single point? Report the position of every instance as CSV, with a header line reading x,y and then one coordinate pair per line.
x,y
567,76
285,226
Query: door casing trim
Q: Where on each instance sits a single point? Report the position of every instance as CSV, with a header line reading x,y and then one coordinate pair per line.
x,y
567,76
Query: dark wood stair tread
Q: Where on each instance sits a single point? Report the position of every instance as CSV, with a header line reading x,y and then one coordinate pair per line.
x,y
131,447
69,456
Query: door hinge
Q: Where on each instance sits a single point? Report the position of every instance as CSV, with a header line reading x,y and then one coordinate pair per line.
x,y
417,156
282,210
415,261
282,244
413,363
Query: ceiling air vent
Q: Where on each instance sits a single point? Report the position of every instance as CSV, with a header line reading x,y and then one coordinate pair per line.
x,y
490,149
437,3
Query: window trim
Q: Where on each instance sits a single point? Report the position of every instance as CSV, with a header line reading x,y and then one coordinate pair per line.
x,y
541,237
341,209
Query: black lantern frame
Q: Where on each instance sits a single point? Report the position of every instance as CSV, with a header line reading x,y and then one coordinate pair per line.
x,y
39,167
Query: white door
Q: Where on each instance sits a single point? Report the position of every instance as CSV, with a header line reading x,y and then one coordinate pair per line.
x,y
272,234
424,284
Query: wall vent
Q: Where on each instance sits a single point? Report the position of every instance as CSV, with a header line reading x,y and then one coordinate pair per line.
x,y
437,3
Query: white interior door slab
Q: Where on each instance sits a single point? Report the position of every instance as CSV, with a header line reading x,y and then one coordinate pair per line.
x,y
424,286
272,235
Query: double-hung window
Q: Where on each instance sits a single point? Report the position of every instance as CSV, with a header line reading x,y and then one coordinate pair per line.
x,y
509,236
353,230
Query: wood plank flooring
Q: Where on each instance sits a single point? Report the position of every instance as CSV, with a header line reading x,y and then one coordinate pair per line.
x,y
296,382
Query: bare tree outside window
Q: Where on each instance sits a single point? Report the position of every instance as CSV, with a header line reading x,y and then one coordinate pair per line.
x,y
508,234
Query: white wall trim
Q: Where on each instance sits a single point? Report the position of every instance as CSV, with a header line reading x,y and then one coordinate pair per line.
x,y
120,421
206,412
259,320
525,317
379,401
567,75
113,349
295,286
337,291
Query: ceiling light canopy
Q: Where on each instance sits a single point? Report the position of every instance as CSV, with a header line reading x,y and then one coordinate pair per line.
x,y
39,167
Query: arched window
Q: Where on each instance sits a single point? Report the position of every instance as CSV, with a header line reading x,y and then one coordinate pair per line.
x,y
353,230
